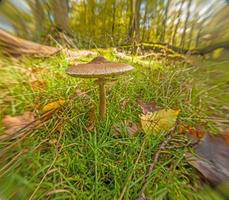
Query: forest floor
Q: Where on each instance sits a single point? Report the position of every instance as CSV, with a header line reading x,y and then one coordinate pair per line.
x,y
72,155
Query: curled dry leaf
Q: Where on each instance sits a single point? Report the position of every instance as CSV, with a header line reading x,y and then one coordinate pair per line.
x,y
53,105
17,123
212,158
131,128
124,103
147,106
159,121
34,72
38,85
80,93
143,197
195,133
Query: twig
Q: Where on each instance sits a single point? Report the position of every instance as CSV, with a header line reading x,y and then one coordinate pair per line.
x,y
132,171
155,160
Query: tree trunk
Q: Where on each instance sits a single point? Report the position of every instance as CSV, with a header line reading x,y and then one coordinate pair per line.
x,y
60,13
14,46
134,21
182,42
39,16
178,23
113,17
165,21
144,21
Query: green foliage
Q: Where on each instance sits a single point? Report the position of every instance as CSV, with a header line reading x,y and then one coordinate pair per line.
x,y
90,23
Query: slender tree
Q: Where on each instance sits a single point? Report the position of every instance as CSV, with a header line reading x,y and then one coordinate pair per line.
x,y
60,11
113,17
145,21
134,22
39,17
165,21
182,42
178,23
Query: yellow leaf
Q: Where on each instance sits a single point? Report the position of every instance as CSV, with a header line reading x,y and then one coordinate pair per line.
x,y
53,105
159,121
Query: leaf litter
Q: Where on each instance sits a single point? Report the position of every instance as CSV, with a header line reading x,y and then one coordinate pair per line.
x,y
17,123
128,126
159,121
53,105
211,158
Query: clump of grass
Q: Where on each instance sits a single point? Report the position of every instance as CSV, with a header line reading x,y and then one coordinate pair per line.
x,y
62,160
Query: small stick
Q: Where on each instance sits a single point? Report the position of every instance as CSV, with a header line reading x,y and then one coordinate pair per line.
x,y
155,160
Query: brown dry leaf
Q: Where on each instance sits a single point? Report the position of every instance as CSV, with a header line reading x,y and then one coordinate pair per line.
x,y
90,125
38,70
38,85
225,135
33,72
53,105
80,93
196,133
14,124
8,98
147,106
143,197
124,103
131,128
53,141
212,158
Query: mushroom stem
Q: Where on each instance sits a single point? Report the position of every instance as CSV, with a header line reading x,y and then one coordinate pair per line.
x,y
102,97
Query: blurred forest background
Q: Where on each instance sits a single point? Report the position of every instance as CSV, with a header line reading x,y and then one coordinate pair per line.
x,y
182,24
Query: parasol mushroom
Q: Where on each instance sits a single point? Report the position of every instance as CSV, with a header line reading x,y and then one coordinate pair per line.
x,y
99,68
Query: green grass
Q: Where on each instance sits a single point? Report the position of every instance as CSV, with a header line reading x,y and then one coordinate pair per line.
x,y
213,77
69,162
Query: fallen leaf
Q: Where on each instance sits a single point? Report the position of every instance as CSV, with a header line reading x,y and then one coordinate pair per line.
x,y
14,124
39,70
34,72
90,125
143,197
131,128
195,133
8,98
159,121
124,103
80,93
53,105
212,158
53,141
38,85
225,135
147,106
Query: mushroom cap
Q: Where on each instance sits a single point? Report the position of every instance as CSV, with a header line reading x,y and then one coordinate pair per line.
x,y
98,68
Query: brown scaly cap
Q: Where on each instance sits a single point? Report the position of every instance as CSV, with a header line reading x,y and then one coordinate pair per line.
x,y
98,68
